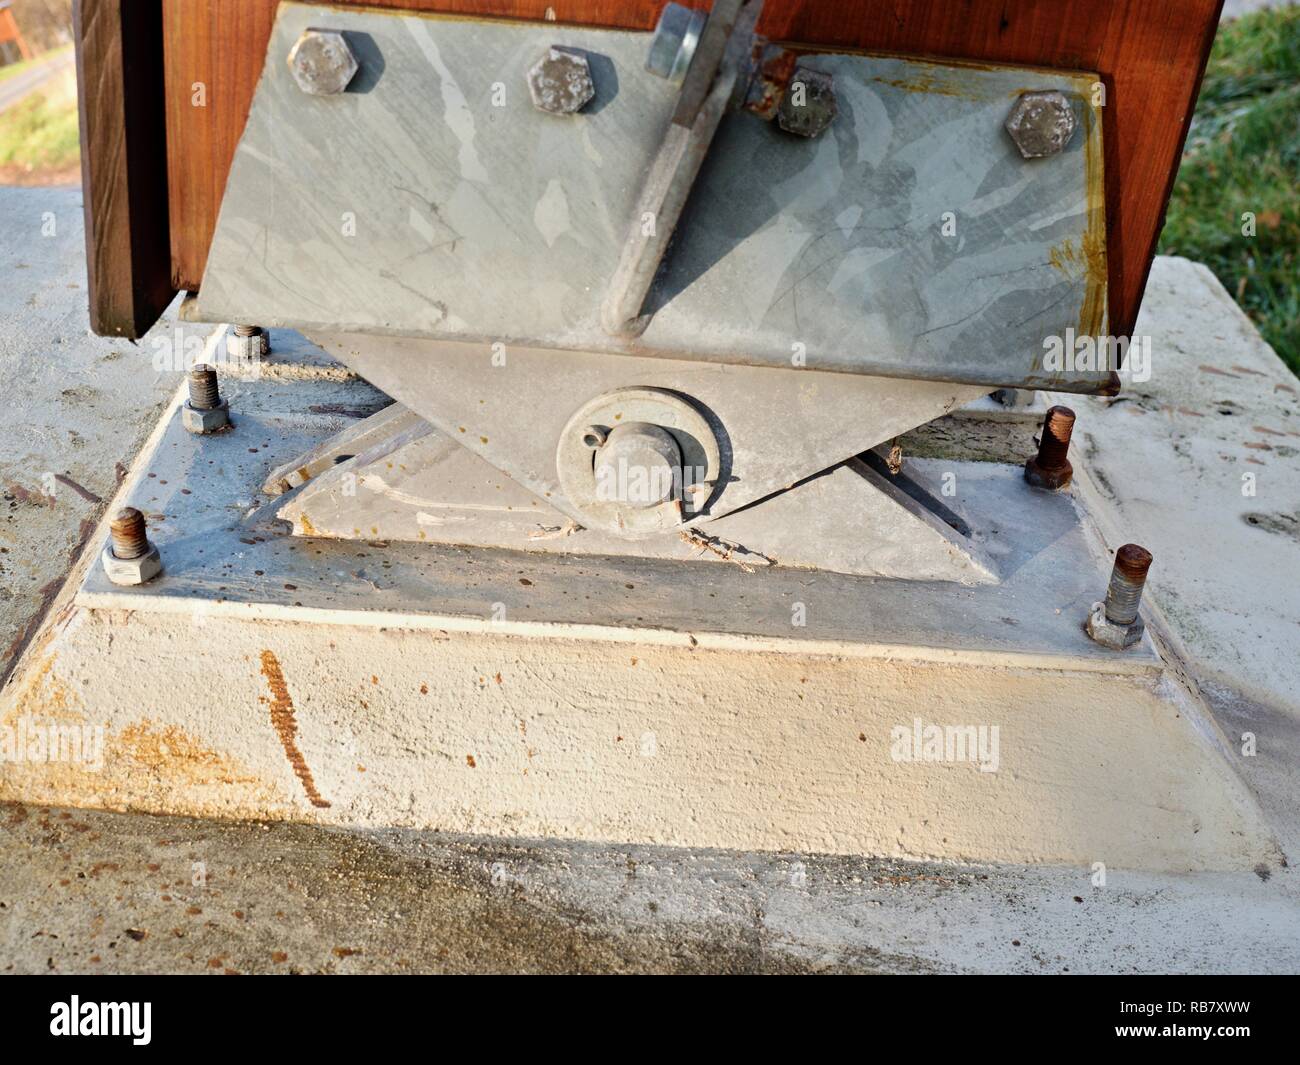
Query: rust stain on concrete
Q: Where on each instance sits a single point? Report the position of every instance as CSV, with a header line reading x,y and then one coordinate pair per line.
x,y
286,727
174,751
46,695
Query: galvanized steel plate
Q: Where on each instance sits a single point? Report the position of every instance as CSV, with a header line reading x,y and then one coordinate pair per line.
x,y
432,199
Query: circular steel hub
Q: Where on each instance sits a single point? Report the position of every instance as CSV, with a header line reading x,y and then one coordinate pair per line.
x,y
638,461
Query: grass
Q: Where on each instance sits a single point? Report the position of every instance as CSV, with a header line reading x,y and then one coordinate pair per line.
x,y
38,135
14,69
1243,156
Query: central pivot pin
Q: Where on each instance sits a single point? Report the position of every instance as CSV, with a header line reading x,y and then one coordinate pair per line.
x,y
639,465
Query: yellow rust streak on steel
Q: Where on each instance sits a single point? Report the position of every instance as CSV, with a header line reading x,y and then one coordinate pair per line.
x,y
1093,316
286,727
927,84
1088,260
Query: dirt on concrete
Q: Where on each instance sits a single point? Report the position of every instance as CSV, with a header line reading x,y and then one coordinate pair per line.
x,y
100,892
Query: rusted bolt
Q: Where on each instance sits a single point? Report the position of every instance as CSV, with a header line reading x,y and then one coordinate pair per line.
x,y
204,394
1050,468
808,105
1127,579
594,437
560,82
205,411
130,540
771,68
1041,123
129,557
676,36
1115,622
322,63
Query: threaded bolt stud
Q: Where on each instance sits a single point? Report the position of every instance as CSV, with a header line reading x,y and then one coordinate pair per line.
x,y
1127,580
204,393
1050,468
130,539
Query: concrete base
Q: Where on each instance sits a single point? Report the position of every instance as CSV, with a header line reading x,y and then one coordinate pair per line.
x,y
267,676
605,741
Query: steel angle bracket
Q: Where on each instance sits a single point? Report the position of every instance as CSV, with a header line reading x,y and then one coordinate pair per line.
x,y
432,198
708,92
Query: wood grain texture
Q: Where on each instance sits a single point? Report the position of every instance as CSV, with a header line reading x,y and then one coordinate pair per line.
x,y
123,163
1150,54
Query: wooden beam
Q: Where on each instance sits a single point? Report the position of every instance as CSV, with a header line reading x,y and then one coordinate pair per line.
x,y
123,163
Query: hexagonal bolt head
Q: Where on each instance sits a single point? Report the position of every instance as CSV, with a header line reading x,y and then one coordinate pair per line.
x,y
1041,124
1109,634
247,348
676,36
131,570
322,63
560,82
808,106
1052,480
205,421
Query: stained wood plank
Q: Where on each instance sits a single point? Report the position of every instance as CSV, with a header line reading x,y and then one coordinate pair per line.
x,y
123,162
1150,53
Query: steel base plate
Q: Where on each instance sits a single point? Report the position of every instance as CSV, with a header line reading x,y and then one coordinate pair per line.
x,y
225,553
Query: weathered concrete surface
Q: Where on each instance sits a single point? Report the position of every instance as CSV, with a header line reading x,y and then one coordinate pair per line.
x,y
610,741
76,405
1201,465
96,892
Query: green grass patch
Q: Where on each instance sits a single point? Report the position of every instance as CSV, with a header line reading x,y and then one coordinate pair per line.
x,y
40,131
1243,158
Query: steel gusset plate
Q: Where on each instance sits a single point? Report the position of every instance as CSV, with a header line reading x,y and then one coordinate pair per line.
x,y
432,199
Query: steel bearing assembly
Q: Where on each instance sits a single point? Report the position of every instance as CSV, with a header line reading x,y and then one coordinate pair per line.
x,y
620,318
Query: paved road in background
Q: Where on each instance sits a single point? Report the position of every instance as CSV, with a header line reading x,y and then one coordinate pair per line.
x,y
14,89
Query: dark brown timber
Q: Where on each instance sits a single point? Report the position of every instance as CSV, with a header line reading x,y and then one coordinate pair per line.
x,y
119,46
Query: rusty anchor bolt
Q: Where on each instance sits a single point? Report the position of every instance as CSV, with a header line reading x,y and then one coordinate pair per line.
x,y
1050,469
247,343
560,82
1041,123
322,63
1115,623
129,557
205,411
808,105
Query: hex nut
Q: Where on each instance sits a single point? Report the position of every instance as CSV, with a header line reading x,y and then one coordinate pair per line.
x,y
1051,480
322,63
1041,123
673,44
131,570
1108,634
205,421
560,82
246,349
808,105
